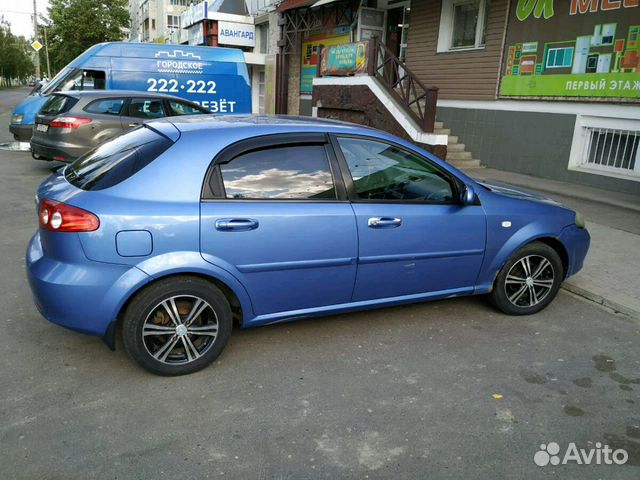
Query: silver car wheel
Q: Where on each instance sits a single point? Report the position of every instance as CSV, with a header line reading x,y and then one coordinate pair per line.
x,y
180,329
529,281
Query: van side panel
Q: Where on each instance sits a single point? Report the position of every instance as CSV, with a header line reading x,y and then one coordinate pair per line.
x,y
215,78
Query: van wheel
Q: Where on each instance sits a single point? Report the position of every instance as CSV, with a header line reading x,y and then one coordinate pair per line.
x,y
177,326
529,281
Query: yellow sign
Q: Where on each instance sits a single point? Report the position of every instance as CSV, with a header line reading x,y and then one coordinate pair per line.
x,y
36,45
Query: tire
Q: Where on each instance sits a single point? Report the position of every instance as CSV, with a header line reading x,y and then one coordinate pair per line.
x,y
529,281
170,345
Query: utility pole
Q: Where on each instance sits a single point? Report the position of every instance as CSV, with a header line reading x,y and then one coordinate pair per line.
x,y
35,34
46,51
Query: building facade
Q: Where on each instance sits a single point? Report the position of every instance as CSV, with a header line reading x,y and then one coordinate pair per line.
x,y
156,21
547,88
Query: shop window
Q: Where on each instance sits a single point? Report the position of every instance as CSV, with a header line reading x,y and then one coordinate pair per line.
x,y
559,57
606,146
462,25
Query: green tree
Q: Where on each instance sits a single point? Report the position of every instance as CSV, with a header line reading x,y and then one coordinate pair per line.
x,y
76,25
15,56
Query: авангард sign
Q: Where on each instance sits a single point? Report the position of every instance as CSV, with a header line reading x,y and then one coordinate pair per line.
x,y
232,33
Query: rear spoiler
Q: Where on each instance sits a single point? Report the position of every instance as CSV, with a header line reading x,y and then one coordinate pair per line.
x,y
164,128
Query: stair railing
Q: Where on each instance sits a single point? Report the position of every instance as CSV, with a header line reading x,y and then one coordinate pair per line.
x,y
402,84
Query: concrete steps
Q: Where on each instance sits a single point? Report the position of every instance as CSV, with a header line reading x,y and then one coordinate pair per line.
x,y
457,154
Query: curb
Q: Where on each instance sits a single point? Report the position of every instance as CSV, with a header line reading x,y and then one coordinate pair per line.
x,y
600,300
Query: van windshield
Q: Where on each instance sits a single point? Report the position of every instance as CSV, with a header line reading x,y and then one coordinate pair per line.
x,y
116,160
51,86
77,79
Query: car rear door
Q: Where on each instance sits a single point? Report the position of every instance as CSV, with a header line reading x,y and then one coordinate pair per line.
x,y
275,215
139,109
414,236
105,120
55,106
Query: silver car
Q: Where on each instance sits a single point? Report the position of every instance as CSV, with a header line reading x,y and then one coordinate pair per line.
x,y
71,123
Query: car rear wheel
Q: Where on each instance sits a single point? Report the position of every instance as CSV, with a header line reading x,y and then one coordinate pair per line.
x,y
177,326
529,281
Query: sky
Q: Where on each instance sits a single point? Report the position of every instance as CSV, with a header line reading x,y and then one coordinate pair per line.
x,y
18,14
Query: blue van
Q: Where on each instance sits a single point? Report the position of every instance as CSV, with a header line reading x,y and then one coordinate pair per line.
x,y
216,78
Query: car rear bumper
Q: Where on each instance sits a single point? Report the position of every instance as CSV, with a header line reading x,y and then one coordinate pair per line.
x,y
21,132
82,295
49,152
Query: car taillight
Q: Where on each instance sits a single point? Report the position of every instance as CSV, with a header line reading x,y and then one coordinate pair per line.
x,y
68,122
60,217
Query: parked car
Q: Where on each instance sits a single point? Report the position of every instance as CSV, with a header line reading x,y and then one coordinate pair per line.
x,y
215,78
70,124
180,226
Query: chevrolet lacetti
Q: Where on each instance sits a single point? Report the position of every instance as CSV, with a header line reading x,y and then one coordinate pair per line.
x,y
179,227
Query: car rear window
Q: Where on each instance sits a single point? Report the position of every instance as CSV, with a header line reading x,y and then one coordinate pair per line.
x,y
57,104
116,160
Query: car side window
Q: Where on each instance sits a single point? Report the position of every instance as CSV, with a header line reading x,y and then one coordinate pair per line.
x,y
381,171
182,108
280,173
146,108
105,106
83,80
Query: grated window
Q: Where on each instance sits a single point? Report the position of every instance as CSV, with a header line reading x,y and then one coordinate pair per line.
x,y
612,149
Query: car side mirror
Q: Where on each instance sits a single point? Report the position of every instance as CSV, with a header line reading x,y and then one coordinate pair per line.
x,y
467,195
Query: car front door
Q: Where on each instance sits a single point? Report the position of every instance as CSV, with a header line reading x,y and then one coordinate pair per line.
x,y
275,215
415,237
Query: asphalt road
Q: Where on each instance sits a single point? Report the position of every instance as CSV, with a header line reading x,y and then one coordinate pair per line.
x,y
402,392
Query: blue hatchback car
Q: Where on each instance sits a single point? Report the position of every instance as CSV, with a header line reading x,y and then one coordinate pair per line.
x,y
182,226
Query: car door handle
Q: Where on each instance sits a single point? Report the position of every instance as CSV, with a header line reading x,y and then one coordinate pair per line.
x,y
135,124
236,224
384,222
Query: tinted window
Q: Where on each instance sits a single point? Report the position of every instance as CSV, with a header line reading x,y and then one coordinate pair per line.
x,y
146,108
182,108
384,172
280,173
115,161
57,104
105,106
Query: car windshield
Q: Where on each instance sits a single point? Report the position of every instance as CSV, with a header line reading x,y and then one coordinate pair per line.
x,y
115,161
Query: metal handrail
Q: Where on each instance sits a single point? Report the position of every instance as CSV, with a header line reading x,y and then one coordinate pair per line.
x,y
418,100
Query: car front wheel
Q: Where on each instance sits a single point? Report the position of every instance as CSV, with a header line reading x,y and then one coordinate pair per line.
x,y
177,326
529,281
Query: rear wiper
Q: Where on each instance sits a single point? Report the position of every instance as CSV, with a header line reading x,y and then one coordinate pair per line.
x,y
57,168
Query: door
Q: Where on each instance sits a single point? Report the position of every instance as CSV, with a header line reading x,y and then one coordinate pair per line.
x,y
275,217
105,119
140,109
414,235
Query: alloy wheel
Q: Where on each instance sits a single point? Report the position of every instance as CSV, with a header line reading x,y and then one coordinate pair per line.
x,y
529,281
180,329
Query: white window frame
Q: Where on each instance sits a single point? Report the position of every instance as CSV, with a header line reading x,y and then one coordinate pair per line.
x,y
445,32
550,49
579,147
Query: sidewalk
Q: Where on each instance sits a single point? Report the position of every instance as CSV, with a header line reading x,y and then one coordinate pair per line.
x,y
611,273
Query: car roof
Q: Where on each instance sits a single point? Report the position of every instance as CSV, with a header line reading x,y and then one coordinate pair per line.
x,y
115,93
262,123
